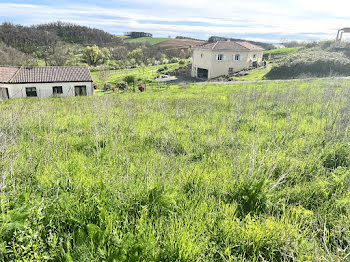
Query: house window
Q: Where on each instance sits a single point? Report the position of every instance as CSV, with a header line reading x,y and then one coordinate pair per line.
x,y
201,55
80,90
230,70
236,57
31,91
57,90
219,57
254,56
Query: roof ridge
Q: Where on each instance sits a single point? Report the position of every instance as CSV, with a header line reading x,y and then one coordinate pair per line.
x,y
19,69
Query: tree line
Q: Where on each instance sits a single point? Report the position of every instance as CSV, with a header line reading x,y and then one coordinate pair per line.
x,y
78,34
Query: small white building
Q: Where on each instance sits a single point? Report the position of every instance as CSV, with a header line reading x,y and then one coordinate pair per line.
x,y
64,81
224,58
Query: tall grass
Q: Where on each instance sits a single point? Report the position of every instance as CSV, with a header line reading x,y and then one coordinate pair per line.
x,y
246,172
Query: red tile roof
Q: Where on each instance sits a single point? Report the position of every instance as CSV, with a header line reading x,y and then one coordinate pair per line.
x,y
49,74
231,45
6,73
251,46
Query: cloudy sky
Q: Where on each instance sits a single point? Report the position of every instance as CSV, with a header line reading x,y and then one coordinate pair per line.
x,y
272,20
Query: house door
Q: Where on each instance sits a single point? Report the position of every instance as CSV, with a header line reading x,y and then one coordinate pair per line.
x,y
80,90
202,73
4,93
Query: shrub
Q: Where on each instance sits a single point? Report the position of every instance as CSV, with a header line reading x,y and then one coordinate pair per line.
x,y
130,79
122,86
107,86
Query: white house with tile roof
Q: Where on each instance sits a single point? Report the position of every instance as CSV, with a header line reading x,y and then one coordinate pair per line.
x,y
224,58
64,81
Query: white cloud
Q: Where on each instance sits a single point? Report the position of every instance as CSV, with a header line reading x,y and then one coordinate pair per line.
x,y
251,18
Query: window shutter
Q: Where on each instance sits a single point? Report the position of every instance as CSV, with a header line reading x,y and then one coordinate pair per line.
x,y
240,58
224,58
217,57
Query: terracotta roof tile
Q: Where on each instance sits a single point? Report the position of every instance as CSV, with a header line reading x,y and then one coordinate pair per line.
x,y
230,45
50,74
251,46
6,73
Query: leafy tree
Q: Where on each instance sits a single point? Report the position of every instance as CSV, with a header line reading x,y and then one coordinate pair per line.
x,y
93,55
60,56
11,56
136,54
106,54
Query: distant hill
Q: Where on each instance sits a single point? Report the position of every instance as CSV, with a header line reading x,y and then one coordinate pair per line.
x,y
60,43
179,43
29,38
26,39
149,40
190,38
78,34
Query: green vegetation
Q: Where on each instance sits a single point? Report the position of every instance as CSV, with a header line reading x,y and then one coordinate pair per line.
x,y
242,172
122,36
254,75
277,55
311,62
149,40
287,50
65,44
144,74
94,55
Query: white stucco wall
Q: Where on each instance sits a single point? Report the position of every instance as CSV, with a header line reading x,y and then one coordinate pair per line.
x,y
206,59
200,59
45,89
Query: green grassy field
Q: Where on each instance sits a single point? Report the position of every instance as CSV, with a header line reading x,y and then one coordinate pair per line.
x,y
150,40
242,172
284,51
255,75
122,36
146,74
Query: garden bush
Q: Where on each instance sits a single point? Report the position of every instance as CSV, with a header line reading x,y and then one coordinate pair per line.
x,y
122,86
